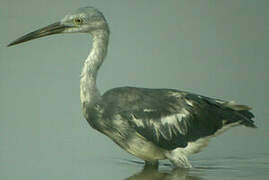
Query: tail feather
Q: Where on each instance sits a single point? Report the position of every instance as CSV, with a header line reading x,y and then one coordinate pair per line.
x,y
247,114
247,119
243,112
236,107
235,112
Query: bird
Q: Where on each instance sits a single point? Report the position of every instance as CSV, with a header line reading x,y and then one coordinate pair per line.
x,y
151,124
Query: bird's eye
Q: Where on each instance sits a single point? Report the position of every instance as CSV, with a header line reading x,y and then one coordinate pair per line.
x,y
78,21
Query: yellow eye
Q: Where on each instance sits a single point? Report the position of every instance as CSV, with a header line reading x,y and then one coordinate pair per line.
x,y
78,21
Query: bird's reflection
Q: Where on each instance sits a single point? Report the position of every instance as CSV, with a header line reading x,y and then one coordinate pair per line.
x,y
151,173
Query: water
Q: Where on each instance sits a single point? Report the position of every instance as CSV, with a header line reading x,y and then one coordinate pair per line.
x,y
250,167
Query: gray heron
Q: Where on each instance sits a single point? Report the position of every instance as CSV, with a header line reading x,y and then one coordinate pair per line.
x,y
151,124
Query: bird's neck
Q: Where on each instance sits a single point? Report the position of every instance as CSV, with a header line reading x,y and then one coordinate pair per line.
x,y
89,94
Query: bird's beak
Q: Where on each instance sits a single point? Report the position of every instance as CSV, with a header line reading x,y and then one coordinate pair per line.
x,y
54,28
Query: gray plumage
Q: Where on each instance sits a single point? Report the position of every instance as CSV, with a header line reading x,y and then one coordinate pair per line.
x,y
191,116
152,124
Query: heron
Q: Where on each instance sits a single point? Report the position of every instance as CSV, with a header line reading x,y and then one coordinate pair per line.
x,y
151,124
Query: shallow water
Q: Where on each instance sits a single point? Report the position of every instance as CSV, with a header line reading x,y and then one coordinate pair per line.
x,y
256,167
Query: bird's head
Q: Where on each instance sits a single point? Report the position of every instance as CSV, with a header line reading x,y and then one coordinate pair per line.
x,y
84,20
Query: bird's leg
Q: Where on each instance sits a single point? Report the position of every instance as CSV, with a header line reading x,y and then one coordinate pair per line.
x,y
178,158
151,164
181,162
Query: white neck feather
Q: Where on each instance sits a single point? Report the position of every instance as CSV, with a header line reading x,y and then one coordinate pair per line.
x,y
89,93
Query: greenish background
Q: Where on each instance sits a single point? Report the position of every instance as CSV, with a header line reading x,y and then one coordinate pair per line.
x,y
218,48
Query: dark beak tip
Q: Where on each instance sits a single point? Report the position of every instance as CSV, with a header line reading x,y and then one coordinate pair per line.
x,y
54,28
13,43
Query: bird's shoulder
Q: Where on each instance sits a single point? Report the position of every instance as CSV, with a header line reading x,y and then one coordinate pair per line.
x,y
145,99
152,100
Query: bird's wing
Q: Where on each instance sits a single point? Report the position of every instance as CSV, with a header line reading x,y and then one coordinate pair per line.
x,y
171,118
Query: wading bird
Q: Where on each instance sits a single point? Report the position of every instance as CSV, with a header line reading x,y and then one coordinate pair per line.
x,y
151,124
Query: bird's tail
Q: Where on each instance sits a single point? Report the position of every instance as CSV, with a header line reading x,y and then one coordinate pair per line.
x,y
243,112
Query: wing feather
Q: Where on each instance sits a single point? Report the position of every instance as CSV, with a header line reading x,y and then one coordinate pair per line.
x,y
171,118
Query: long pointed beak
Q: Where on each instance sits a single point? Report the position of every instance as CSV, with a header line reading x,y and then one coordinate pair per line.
x,y
54,28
